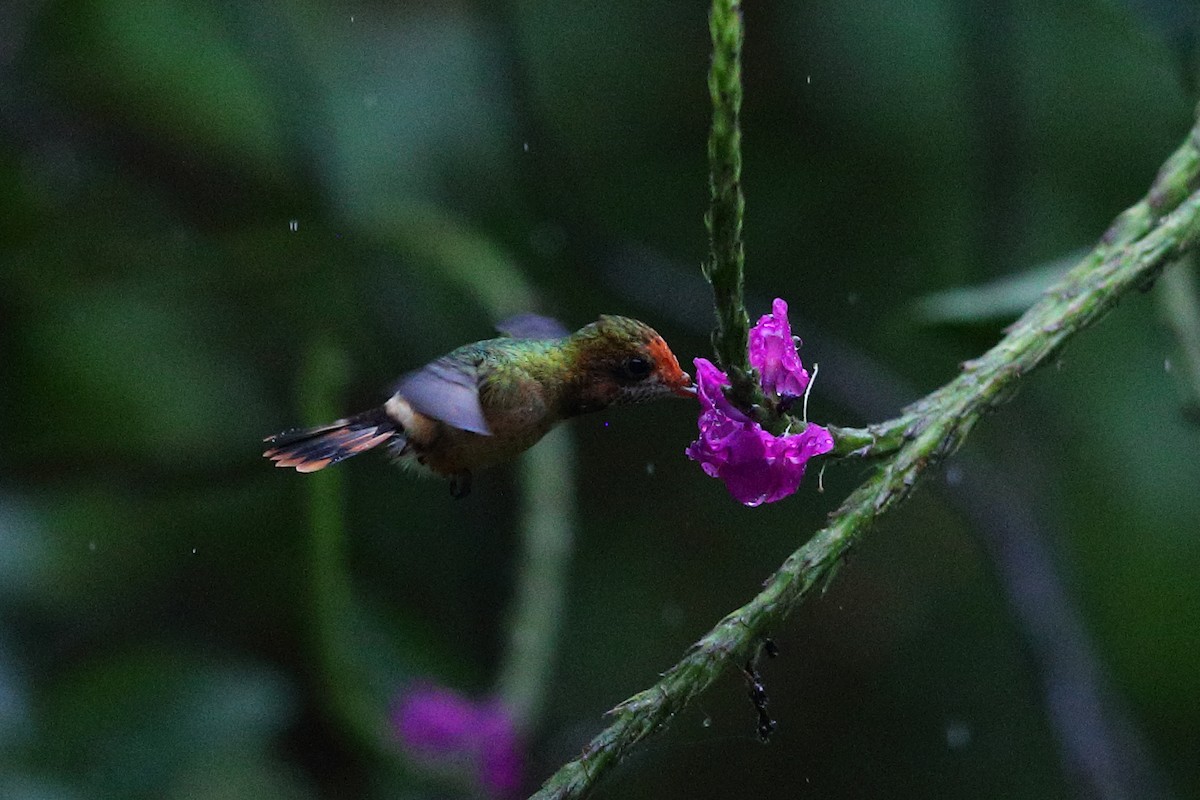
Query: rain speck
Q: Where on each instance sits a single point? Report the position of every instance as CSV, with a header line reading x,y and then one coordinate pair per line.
x,y
649,467
672,615
958,735
954,475
293,225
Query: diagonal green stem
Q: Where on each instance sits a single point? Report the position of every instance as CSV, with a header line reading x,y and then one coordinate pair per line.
x,y
1139,244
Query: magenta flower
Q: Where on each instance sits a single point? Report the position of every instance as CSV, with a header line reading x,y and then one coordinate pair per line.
x,y
772,352
443,729
756,466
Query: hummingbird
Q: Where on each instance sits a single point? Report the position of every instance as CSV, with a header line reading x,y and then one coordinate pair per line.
x,y
491,400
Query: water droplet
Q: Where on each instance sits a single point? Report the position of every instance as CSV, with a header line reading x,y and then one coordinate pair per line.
x,y
954,475
293,225
193,551
525,146
958,735
1167,365
706,722
808,78
649,467
672,615
92,546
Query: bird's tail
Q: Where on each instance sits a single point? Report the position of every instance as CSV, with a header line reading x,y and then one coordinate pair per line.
x,y
311,449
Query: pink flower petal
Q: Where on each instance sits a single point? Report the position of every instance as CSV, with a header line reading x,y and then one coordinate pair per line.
x,y
710,383
772,351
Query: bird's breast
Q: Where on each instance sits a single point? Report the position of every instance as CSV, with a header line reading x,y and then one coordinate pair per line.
x,y
447,450
456,450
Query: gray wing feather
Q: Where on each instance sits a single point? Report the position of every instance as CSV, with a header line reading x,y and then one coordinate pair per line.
x,y
447,391
532,326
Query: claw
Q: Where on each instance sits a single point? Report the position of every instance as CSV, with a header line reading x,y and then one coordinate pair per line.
x,y
460,484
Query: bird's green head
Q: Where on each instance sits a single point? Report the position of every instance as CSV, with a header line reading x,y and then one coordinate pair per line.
x,y
618,361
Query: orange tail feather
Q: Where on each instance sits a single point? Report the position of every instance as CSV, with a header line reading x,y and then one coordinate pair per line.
x,y
311,449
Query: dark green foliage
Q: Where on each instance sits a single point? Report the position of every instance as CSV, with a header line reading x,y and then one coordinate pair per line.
x,y
171,627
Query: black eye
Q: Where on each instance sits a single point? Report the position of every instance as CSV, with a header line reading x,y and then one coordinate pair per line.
x,y
636,368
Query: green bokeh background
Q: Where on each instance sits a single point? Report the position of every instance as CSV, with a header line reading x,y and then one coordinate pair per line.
x,y
197,196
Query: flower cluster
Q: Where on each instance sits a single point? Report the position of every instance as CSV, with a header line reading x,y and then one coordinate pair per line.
x,y
757,466
443,729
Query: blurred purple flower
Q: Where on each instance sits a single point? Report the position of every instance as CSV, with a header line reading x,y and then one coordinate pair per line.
x,y
440,727
756,466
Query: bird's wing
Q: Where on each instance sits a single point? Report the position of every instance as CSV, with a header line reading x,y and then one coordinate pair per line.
x,y
532,326
446,390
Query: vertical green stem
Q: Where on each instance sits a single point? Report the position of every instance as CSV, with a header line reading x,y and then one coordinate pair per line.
x,y
548,522
547,474
1179,303
322,378
724,268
